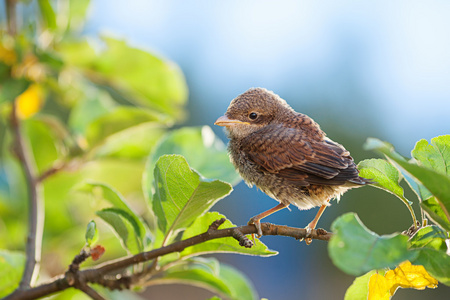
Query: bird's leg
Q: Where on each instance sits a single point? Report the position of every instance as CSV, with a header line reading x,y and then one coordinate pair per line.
x,y
313,224
256,219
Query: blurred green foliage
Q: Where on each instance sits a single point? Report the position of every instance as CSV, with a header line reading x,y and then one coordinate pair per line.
x,y
97,117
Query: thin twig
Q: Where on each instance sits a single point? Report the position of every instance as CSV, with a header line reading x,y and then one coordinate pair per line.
x,y
98,273
51,171
35,209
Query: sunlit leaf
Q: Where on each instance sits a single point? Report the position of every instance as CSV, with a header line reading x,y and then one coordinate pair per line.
x,y
384,175
223,245
120,216
357,250
130,73
407,275
181,194
429,237
119,119
404,276
47,13
359,288
202,149
11,269
435,212
437,263
125,227
77,13
134,143
77,53
46,143
437,183
378,288
435,155
212,275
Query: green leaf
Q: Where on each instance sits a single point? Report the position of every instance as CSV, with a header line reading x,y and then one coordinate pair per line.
x,y
77,53
212,275
437,183
181,194
92,106
125,227
91,233
11,88
437,263
145,78
223,245
120,208
360,287
202,149
11,269
429,237
133,143
130,73
77,13
434,212
47,13
121,118
385,175
356,250
435,156
46,142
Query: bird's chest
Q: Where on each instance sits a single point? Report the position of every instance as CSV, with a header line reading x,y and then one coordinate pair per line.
x,y
248,170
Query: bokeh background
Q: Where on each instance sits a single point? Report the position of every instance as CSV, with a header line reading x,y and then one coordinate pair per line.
x,y
359,68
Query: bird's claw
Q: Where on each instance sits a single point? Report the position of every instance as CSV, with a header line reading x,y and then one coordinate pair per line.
x,y
307,238
257,224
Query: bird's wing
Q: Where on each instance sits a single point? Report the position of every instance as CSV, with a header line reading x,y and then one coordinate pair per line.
x,y
291,154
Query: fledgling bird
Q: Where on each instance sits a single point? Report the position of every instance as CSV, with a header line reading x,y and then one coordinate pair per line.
x,y
286,154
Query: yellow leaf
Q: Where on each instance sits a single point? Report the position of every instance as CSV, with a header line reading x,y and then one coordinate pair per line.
x,y
7,55
30,102
407,275
378,288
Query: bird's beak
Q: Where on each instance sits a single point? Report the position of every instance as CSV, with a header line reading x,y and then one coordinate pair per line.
x,y
224,121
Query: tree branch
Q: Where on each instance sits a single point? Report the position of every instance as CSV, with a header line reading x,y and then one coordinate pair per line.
x,y
90,292
11,16
98,273
35,209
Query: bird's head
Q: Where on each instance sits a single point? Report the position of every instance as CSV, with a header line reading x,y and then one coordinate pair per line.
x,y
251,111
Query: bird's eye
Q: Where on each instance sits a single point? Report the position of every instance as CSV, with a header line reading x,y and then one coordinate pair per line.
x,y
253,115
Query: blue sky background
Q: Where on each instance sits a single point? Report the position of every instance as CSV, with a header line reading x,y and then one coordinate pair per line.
x,y
359,68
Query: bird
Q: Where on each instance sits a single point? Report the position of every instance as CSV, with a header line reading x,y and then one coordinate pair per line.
x,y
286,155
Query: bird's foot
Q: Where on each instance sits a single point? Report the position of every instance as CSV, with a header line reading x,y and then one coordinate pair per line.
x,y
307,238
257,223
